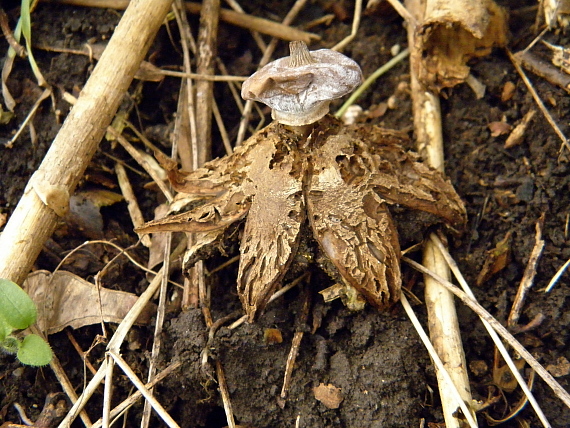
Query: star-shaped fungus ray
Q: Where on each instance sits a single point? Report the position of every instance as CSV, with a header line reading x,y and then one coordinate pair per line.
x,y
271,234
262,179
343,177
356,172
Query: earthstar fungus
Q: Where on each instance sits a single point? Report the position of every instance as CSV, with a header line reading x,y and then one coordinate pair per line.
x,y
334,182
300,87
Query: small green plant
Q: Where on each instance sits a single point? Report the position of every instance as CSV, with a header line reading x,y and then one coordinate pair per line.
x,y
18,312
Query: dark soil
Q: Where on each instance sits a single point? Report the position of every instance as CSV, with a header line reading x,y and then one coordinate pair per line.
x,y
385,374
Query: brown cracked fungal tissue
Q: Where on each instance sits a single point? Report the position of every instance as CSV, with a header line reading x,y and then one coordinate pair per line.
x,y
307,172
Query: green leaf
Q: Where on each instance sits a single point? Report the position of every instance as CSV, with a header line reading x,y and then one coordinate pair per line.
x,y
16,307
10,344
34,351
5,329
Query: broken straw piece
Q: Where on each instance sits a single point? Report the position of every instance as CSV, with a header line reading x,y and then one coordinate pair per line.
x,y
300,87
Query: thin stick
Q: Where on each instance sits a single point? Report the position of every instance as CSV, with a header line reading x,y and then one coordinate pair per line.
x,y
142,162
164,415
63,380
222,128
498,327
79,137
354,29
9,35
207,48
132,204
198,76
254,34
442,315
538,101
132,399
46,93
157,339
528,276
275,295
108,392
80,352
556,277
224,392
437,361
261,25
492,333
295,346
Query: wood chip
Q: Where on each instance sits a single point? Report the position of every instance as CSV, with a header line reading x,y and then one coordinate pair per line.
x,y
329,395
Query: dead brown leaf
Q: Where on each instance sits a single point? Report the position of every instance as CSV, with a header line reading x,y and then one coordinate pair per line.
x,y
66,300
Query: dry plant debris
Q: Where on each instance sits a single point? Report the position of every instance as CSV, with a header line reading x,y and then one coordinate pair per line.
x,y
453,33
329,395
66,300
339,178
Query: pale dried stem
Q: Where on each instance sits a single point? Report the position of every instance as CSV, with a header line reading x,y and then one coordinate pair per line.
x,y
353,30
161,411
222,129
108,391
207,52
528,276
224,392
132,399
185,128
556,277
295,346
157,339
46,93
276,295
438,363
63,166
197,76
82,354
442,316
63,380
499,345
499,328
289,18
142,161
117,340
132,203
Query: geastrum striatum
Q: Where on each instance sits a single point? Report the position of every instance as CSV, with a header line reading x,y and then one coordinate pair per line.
x,y
307,168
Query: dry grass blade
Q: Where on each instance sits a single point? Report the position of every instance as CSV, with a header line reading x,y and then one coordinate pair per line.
x,y
354,29
556,277
132,204
124,405
46,93
164,415
157,339
499,328
455,269
437,361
